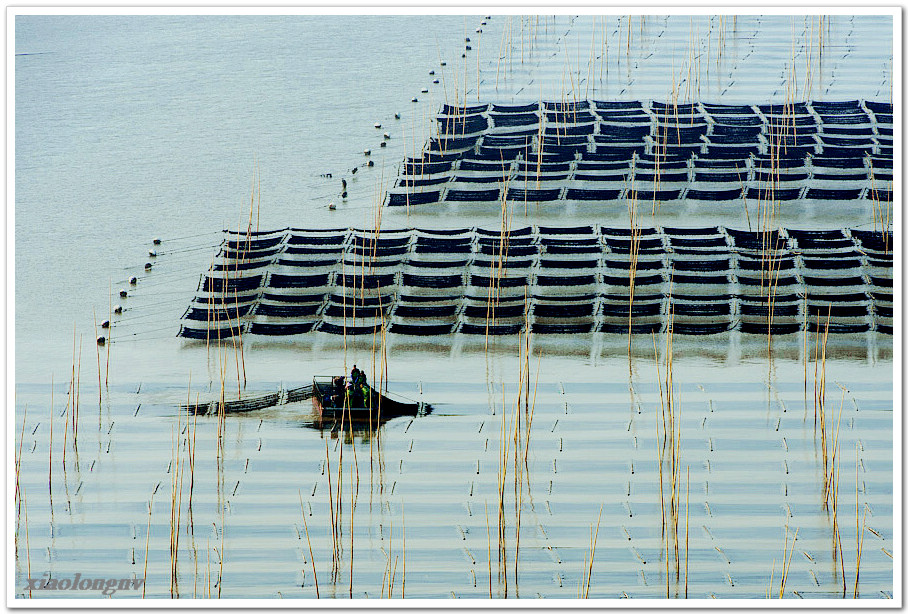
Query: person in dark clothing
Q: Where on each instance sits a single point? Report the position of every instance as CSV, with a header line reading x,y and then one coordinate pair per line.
x,y
337,391
357,376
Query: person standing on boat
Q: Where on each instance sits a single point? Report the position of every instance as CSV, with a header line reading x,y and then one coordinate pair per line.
x,y
364,390
357,376
349,392
337,391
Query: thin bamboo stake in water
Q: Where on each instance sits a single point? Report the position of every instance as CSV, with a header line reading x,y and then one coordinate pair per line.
x,y
309,542
28,553
147,540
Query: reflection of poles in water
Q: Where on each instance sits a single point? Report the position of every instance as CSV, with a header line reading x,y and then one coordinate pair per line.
x,y
331,513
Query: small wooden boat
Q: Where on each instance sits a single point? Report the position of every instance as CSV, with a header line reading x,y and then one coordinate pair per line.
x,y
329,400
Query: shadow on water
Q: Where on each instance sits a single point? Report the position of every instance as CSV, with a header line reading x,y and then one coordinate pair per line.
x,y
363,427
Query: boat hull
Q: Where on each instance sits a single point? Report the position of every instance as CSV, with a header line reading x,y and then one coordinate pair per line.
x,y
381,406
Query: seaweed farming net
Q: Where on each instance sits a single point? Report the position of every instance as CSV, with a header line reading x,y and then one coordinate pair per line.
x,y
589,151
552,280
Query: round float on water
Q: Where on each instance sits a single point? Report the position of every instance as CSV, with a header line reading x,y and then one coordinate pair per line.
x,y
332,207
371,163
123,293
156,241
397,116
377,125
387,136
118,309
102,340
344,194
133,280
105,324
414,99
153,254
383,144
425,90
147,265
367,152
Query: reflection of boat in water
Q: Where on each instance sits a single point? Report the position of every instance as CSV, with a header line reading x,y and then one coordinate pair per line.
x,y
331,401
361,426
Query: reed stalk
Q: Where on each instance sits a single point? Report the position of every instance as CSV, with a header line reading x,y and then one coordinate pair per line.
x,y
147,541
309,542
50,450
109,334
18,466
687,535
588,570
98,352
860,549
28,553
786,565
77,404
489,536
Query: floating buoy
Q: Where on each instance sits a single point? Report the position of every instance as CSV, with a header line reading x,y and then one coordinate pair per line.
x,y
344,184
431,72
123,293
383,144
377,125
414,99
397,116
153,254
467,39
355,168
479,30
371,163
105,324
156,241
118,309
463,55
425,90
367,152
133,280
102,340
387,136
332,207
444,63
147,265
435,81
468,48
344,194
